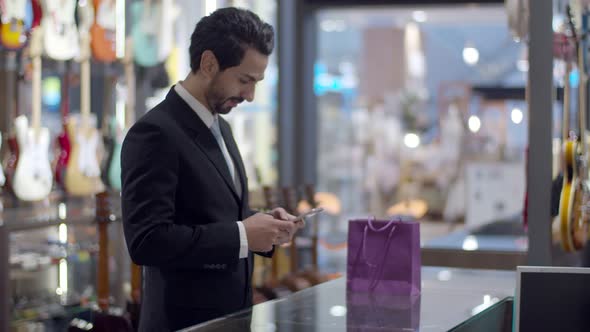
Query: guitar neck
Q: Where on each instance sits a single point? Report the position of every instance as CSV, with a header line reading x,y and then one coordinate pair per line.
x,y
10,88
107,110
36,94
566,103
65,93
130,100
85,93
135,283
582,67
102,215
103,267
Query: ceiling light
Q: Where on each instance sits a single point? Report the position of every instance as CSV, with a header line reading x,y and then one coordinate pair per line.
x,y
411,140
470,55
522,65
474,123
419,16
516,115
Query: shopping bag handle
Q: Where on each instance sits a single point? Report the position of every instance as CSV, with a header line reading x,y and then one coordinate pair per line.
x,y
375,229
378,230
374,279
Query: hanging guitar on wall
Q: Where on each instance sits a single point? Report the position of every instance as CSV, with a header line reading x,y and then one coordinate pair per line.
x,y
63,140
83,170
145,32
14,78
60,33
572,217
129,115
103,31
15,21
33,178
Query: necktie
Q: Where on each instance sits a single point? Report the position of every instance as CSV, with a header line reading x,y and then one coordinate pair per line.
x,y
230,164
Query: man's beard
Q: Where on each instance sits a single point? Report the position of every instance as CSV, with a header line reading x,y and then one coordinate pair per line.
x,y
216,100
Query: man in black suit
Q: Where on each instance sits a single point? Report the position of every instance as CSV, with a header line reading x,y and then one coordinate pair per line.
x,y
185,193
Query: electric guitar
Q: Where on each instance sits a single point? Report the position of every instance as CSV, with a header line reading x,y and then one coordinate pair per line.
x,y
13,27
145,32
13,60
104,320
83,169
108,116
103,31
63,140
168,15
33,178
573,220
60,33
134,304
117,131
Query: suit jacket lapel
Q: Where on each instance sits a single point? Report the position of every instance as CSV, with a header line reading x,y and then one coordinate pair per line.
x,y
235,154
208,144
202,136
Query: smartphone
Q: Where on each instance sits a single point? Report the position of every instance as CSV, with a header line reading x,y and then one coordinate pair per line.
x,y
309,213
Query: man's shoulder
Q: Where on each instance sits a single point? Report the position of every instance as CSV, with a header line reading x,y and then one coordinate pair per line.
x,y
158,117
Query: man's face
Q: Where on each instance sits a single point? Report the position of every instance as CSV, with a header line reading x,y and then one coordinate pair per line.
x,y
232,86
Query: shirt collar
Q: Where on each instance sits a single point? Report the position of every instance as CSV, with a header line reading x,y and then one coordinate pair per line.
x,y
206,116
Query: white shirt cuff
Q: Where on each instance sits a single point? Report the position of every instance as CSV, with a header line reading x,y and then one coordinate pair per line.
x,y
243,241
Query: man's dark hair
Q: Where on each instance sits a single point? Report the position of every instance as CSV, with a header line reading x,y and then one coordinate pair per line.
x,y
228,33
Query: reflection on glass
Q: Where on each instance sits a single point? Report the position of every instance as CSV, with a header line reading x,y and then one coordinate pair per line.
x,y
62,211
470,243
63,277
63,233
488,301
444,275
382,311
338,311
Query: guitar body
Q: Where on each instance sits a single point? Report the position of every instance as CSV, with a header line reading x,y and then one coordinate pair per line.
x,y
114,172
83,169
33,177
11,34
63,139
568,197
60,37
65,148
108,145
144,34
102,31
16,21
115,166
2,176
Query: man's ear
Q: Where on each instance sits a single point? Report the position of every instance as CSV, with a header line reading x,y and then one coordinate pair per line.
x,y
209,65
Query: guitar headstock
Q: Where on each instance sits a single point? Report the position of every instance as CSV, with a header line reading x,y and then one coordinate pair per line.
x,y
310,195
271,197
290,199
85,19
103,207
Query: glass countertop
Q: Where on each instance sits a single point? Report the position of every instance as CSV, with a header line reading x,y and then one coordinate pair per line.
x,y
449,297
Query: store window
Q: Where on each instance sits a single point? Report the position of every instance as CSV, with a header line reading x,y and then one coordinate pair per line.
x,y
417,114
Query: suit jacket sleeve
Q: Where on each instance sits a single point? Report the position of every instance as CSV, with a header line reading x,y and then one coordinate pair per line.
x,y
150,166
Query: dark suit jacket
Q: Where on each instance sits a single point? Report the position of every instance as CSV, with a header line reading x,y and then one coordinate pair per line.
x,y
180,209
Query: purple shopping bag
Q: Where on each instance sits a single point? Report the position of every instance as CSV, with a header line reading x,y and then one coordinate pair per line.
x,y
383,257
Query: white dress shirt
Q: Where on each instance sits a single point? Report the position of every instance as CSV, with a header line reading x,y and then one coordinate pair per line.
x,y
210,119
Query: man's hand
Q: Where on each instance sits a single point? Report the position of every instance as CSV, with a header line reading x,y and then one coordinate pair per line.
x,y
263,231
280,213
